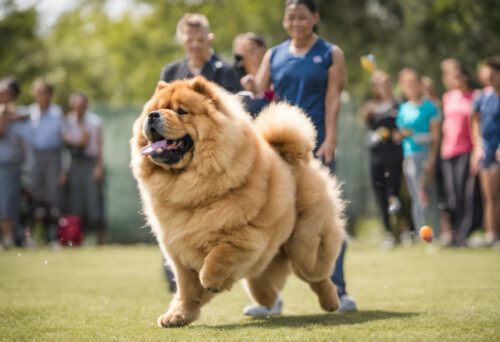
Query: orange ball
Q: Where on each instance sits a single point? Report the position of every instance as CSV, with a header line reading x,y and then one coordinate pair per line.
x,y
426,233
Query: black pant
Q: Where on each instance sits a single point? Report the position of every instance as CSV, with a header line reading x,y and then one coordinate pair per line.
x,y
386,161
461,196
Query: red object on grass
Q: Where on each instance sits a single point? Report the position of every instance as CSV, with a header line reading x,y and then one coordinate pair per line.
x,y
70,230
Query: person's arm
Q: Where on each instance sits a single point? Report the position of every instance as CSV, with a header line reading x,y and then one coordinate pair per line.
x,y
4,117
98,170
336,82
477,150
262,80
367,111
435,129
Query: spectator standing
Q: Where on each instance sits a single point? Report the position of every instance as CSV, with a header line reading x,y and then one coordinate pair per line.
x,y
386,154
418,121
83,136
309,72
456,146
445,232
11,157
193,31
486,153
249,49
43,132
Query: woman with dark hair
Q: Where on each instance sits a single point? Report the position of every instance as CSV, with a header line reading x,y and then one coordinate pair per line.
x,y
309,72
456,146
386,153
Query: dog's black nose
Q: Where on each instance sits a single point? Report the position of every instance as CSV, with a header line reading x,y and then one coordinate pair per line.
x,y
154,115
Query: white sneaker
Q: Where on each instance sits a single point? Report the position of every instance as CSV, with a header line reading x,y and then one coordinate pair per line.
x,y
388,242
406,238
257,310
346,303
394,205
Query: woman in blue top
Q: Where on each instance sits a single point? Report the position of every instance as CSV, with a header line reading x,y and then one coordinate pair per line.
x,y
309,72
486,139
418,121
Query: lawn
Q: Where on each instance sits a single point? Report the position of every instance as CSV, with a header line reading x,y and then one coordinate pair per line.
x,y
115,293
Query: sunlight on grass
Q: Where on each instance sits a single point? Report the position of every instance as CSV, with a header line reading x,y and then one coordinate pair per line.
x,y
421,293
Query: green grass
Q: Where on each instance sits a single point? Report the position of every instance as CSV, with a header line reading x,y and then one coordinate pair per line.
x,y
421,293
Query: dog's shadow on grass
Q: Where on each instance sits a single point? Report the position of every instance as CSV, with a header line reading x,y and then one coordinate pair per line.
x,y
349,318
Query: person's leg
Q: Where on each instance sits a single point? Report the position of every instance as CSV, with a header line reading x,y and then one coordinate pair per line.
x,y
465,199
338,273
411,172
494,175
379,189
489,214
393,163
10,188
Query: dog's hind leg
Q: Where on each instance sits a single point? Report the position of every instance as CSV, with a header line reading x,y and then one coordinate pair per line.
x,y
313,251
190,297
327,294
264,289
313,254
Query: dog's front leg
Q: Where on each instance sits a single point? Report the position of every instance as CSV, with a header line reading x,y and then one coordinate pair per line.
x,y
190,296
221,265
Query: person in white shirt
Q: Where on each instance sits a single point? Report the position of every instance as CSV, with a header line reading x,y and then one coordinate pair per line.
x,y
83,136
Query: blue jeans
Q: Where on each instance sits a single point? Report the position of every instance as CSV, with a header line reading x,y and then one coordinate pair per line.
x,y
337,276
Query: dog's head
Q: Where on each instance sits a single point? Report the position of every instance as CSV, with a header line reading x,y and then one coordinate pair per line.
x,y
176,120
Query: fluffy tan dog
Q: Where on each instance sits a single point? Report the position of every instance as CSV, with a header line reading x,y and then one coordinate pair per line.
x,y
230,199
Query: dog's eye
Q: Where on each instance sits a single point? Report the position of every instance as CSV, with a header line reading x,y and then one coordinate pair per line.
x,y
181,111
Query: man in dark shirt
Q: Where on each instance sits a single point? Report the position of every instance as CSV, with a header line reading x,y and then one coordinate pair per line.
x,y
193,32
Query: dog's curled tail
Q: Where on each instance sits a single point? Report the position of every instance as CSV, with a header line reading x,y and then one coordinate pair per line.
x,y
288,129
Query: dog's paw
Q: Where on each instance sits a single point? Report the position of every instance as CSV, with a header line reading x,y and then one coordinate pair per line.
x,y
173,319
210,282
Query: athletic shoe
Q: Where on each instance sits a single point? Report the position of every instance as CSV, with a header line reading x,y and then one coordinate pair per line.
x,y
394,205
257,310
388,242
346,303
406,238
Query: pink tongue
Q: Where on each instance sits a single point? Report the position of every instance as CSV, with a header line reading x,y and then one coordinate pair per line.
x,y
150,149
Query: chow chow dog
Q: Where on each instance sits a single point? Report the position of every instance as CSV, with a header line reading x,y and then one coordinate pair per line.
x,y
232,198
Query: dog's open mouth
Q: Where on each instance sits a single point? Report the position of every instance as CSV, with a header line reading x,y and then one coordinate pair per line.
x,y
167,151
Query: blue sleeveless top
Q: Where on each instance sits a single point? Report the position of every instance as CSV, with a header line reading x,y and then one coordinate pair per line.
x,y
302,80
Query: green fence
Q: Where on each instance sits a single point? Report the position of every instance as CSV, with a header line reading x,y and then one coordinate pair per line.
x,y
122,203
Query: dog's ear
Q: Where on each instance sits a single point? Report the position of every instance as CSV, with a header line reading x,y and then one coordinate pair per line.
x,y
203,87
160,86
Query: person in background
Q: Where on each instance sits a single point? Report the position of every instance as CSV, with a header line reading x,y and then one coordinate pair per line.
x,y
249,49
193,31
11,158
386,155
448,67
43,134
418,122
445,232
309,72
83,136
486,152
456,146
483,76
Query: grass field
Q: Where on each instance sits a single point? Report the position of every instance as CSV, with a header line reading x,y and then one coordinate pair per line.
x,y
114,293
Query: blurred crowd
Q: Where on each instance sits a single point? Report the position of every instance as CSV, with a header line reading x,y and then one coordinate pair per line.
x,y
448,146
51,165
51,169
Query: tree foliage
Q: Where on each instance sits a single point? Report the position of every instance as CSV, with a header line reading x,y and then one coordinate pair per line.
x,y
118,60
